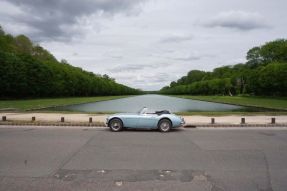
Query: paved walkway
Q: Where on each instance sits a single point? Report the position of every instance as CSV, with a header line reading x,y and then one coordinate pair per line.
x,y
56,117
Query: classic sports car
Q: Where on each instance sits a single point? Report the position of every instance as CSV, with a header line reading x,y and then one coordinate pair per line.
x,y
162,120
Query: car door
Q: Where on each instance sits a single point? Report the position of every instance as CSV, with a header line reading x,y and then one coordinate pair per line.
x,y
147,121
131,121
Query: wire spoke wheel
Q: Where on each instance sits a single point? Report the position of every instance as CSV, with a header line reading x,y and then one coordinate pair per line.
x,y
116,125
164,125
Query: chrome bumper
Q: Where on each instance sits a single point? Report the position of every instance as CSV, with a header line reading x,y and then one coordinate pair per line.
x,y
182,121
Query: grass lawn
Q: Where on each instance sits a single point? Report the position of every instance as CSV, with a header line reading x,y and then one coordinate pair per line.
x,y
28,104
263,102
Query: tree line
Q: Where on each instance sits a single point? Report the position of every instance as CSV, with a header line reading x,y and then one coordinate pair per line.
x,y
264,74
28,70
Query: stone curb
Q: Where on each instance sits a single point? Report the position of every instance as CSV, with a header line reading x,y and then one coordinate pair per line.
x,y
101,124
84,124
235,125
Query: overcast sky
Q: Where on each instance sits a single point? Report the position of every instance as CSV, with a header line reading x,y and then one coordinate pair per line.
x,y
147,44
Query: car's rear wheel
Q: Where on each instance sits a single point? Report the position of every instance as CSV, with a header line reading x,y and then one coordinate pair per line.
x,y
164,125
116,125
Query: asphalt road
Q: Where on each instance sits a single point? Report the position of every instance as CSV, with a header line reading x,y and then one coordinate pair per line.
x,y
185,159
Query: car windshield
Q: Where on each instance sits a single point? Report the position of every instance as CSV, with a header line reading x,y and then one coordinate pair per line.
x,y
146,110
143,111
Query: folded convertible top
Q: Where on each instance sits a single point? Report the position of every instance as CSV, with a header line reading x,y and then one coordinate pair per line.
x,y
162,112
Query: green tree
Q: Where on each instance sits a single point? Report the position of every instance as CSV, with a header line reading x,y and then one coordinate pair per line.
x,y
24,45
2,33
263,74
28,70
273,79
275,51
254,58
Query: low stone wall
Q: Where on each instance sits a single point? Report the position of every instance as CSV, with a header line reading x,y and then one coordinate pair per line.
x,y
25,123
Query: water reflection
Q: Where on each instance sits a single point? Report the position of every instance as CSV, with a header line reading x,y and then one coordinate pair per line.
x,y
157,102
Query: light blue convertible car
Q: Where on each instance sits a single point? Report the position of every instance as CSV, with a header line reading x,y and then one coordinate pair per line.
x,y
145,119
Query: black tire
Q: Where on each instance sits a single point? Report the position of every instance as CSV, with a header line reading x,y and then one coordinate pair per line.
x,y
116,125
164,125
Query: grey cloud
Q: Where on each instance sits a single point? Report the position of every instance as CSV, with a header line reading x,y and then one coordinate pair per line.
x,y
159,78
238,20
113,55
156,78
116,57
58,19
193,57
189,58
136,67
130,49
128,68
176,39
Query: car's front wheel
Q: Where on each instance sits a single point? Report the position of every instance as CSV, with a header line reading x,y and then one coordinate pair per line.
x,y
164,125
116,125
